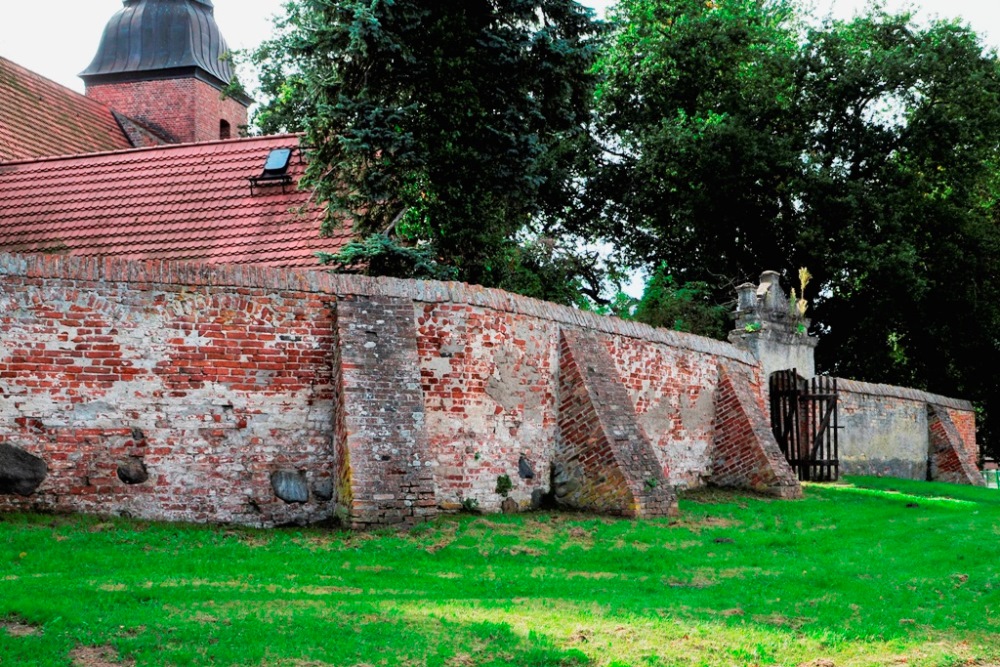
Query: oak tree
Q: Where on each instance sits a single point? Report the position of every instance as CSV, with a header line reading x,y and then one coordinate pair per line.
x,y
743,138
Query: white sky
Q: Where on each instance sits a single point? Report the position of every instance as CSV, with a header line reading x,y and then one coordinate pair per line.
x,y
58,38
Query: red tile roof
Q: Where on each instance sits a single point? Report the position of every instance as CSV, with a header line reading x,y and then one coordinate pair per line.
x,y
38,117
184,202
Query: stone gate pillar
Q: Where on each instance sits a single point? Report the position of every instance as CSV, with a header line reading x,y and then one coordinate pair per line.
x,y
769,326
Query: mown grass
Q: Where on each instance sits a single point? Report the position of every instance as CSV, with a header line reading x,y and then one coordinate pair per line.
x,y
875,572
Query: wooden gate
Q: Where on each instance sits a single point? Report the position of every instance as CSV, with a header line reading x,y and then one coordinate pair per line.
x,y
804,421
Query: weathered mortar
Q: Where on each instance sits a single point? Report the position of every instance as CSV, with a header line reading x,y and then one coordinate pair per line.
x,y
189,392
889,431
674,395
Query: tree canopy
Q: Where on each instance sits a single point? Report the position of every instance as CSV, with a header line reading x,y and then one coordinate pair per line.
x,y
867,150
447,131
704,140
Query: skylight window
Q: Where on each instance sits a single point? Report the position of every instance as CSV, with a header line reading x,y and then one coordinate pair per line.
x,y
277,162
275,169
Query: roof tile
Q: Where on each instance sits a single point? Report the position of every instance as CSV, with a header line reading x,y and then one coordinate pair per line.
x,y
189,201
39,117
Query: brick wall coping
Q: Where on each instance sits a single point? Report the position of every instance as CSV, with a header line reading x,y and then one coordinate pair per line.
x,y
159,272
889,391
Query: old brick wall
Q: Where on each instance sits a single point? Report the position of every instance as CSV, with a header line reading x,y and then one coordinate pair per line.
x,y
963,416
744,452
603,456
948,460
384,446
674,391
488,381
381,401
211,387
886,430
189,392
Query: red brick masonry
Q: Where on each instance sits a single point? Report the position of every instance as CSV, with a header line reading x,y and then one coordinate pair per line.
x,y
182,110
386,400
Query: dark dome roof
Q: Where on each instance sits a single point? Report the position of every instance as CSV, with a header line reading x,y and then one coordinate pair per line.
x,y
160,38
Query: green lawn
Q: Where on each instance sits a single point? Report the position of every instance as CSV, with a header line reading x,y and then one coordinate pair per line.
x,y
874,572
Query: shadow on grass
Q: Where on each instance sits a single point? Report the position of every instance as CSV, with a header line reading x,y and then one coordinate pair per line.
x,y
851,573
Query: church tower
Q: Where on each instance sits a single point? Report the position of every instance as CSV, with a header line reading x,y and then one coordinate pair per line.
x,y
165,65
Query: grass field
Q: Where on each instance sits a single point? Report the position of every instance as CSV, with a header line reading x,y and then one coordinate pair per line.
x,y
872,572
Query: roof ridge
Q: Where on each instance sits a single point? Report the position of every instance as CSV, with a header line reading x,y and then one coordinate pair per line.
x,y
163,147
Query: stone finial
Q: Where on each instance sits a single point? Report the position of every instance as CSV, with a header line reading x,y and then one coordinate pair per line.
x,y
746,297
774,296
769,328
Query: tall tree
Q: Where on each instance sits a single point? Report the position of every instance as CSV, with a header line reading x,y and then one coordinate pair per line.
x,y
695,104
900,199
443,129
866,150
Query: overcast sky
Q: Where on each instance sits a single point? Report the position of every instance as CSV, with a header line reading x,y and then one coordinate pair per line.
x,y
58,38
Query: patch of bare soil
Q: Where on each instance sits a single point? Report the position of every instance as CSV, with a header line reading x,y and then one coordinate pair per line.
x,y
711,495
19,629
527,551
98,656
698,581
446,537
782,621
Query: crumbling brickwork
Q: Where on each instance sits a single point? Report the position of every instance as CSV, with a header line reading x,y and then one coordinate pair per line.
x,y
209,389
495,370
745,453
261,396
384,431
605,461
673,391
949,460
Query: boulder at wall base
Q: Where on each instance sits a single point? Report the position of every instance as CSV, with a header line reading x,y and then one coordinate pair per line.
x,y
20,472
290,486
323,489
133,471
